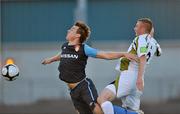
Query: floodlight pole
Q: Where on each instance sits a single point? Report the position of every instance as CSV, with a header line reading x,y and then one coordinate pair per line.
x,y
81,11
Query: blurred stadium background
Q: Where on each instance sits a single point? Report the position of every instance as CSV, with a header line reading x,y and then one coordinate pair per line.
x,y
32,30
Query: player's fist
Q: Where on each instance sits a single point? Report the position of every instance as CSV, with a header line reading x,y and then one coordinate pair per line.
x,y
46,61
140,84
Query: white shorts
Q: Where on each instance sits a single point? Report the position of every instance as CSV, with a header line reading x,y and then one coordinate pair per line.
x,y
125,88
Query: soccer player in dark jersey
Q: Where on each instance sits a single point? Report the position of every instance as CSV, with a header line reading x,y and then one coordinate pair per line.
x,y
73,59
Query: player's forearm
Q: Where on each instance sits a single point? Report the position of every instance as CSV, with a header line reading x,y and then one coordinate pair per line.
x,y
55,58
110,55
141,69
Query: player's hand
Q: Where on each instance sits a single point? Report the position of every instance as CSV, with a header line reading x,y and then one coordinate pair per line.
x,y
46,61
140,84
131,57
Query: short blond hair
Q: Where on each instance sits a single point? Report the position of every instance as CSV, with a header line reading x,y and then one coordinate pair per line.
x,y
148,24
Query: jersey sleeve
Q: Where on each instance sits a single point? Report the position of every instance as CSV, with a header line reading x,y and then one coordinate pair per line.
x,y
90,52
142,46
158,51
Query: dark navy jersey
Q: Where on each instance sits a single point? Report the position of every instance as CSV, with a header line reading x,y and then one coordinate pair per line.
x,y
73,63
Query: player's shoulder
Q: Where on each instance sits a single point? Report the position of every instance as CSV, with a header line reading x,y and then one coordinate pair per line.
x,y
153,40
64,45
86,46
89,51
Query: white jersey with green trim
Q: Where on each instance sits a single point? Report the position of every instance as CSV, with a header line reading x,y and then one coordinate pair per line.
x,y
141,45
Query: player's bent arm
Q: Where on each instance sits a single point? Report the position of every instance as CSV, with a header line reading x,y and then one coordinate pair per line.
x,y
52,59
110,55
56,58
141,69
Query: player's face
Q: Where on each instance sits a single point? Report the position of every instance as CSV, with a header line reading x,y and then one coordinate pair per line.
x,y
72,33
139,28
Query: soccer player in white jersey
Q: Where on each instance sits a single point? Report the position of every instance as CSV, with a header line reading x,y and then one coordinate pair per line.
x,y
129,84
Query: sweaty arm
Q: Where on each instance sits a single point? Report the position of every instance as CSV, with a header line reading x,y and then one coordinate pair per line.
x,y
110,55
52,59
106,55
56,57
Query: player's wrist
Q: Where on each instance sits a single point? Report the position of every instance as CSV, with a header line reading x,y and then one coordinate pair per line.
x,y
124,54
51,60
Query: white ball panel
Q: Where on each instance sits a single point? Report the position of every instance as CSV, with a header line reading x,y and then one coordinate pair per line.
x,y
13,70
4,71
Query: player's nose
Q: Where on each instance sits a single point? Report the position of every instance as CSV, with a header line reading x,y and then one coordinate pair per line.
x,y
68,31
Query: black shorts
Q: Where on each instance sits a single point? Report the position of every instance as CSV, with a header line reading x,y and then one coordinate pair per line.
x,y
84,96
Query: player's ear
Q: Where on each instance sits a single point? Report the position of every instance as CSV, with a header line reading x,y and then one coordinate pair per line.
x,y
78,35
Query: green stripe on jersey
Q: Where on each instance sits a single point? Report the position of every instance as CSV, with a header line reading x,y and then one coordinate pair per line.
x,y
136,39
125,62
117,83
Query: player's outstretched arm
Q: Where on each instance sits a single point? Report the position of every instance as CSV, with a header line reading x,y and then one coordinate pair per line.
x,y
92,52
116,55
51,59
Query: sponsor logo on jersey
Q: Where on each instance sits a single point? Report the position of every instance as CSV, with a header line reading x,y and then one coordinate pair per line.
x,y
143,50
69,56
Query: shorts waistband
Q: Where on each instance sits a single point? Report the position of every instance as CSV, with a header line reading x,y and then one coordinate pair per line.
x,y
73,86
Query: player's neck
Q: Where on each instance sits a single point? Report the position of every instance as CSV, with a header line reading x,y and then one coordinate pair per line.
x,y
142,34
74,42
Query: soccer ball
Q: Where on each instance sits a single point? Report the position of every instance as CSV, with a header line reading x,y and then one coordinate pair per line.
x,y
10,72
